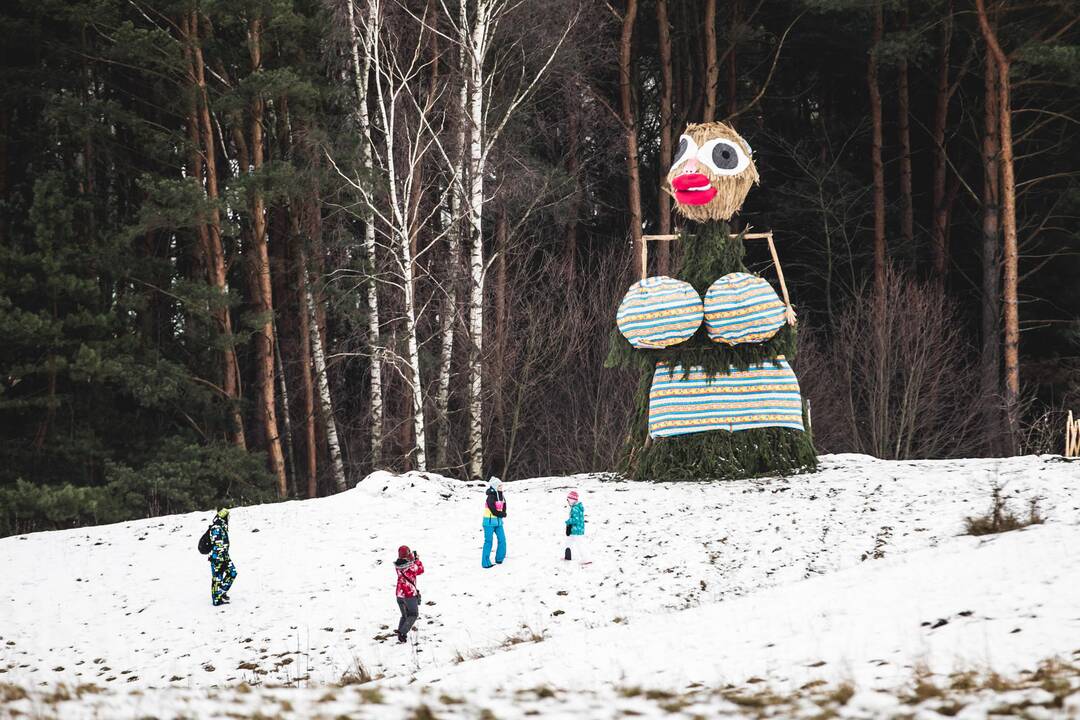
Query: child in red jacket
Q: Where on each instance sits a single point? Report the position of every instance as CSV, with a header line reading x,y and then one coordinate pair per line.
x,y
408,566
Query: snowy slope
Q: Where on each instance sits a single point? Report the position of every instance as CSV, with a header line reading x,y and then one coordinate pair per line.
x,y
127,605
1004,602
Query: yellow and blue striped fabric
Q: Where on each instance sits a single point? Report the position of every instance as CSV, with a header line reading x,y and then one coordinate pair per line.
x,y
742,308
766,395
659,311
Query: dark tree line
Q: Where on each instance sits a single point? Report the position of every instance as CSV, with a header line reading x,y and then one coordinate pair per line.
x,y
255,249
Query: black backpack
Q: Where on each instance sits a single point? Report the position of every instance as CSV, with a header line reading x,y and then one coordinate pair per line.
x,y
204,542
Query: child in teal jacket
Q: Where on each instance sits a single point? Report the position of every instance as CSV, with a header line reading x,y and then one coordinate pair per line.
x,y
575,529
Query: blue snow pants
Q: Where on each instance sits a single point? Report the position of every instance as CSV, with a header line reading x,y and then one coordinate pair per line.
x,y
496,531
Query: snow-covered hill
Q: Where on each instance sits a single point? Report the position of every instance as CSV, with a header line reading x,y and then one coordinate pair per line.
x,y
854,573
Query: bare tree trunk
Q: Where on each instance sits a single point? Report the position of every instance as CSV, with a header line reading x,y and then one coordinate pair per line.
x,y
732,62
573,170
712,61
880,413
447,324
478,51
361,72
264,302
448,316
298,282
629,121
476,37
319,358
499,364
907,208
682,61
875,150
990,356
311,448
401,185
663,258
1008,222
939,230
413,352
215,250
502,310
283,386
195,155
5,120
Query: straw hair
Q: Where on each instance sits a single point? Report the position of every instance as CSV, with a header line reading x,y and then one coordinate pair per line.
x,y
731,189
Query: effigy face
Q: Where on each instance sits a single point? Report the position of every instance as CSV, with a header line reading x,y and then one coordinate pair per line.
x,y
712,172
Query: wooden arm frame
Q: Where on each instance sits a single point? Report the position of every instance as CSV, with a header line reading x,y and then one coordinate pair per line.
x,y
747,236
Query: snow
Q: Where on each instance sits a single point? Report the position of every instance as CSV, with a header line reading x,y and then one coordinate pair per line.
x,y
844,575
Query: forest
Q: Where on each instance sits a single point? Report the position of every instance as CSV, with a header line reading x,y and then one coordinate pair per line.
x,y
255,249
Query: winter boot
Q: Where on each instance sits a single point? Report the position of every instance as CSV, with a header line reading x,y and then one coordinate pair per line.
x,y
567,555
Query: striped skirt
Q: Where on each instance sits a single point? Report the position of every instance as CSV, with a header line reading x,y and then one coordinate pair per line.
x,y
763,396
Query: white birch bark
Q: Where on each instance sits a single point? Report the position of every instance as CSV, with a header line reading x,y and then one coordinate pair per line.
x,y
475,39
400,186
414,125
361,72
447,322
477,53
323,383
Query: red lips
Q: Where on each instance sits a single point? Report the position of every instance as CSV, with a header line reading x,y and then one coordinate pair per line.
x,y
693,189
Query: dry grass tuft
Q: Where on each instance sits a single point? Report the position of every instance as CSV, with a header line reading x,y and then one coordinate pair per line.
x,y
356,675
963,681
841,693
423,713
527,635
372,696
11,693
999,518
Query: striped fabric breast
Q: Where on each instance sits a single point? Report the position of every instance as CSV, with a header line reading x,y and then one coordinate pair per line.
x,y
742,308
681,403
659,311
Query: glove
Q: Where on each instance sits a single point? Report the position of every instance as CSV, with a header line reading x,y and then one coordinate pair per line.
x,y
567,531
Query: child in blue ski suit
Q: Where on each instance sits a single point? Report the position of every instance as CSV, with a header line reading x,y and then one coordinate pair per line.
x,y
494,512
575,529
222,570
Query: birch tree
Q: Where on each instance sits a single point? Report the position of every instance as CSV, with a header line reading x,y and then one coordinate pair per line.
x,y
451,277
361,75
318,356
409,129
475,33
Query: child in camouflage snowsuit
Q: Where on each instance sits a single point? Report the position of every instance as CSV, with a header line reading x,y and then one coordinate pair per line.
x,y
222,570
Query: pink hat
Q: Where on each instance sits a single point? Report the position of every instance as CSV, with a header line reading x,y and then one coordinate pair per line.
x,y
572,497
